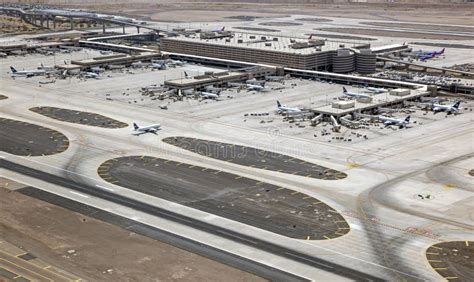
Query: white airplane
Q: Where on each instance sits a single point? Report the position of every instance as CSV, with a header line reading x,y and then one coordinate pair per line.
x,y
256,87
138,130
353,94
376,90
178,62
285,108
159,66
218,30
209,95
387,121
27,73
91,75
450,109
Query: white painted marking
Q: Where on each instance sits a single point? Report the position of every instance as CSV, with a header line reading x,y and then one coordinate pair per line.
x,y
3,157
79,194
106,188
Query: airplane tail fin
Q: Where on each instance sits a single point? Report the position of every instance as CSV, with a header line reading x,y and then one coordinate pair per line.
x,y
278,103
442,51
223,28
186,74
310,36
456,106
135,126
407,119
344,89
13,69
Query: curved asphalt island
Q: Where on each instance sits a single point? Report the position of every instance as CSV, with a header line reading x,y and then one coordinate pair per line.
x,y
314,20
26,139
262,205
73,116
242,18
339,36
3,97
453,260
256,29
254,157
280,24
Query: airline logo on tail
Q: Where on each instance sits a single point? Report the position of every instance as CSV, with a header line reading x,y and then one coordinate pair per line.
x,y
135,126
13,69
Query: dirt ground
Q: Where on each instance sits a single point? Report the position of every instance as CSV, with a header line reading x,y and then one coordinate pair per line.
x,y
103,252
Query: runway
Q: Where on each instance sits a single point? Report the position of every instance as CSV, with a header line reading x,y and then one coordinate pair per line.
x,y
225,233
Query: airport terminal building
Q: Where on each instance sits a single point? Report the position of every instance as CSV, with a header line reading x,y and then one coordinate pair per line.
x,y
308,54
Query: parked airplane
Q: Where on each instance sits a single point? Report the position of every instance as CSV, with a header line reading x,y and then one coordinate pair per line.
x,y
286,109
177,63
430,53
138,130
450,109
218,30
27,73
97,69
376,90
209,95
387,121
256,87
105,52
425,57
91,75
47,81
353,94
159,66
